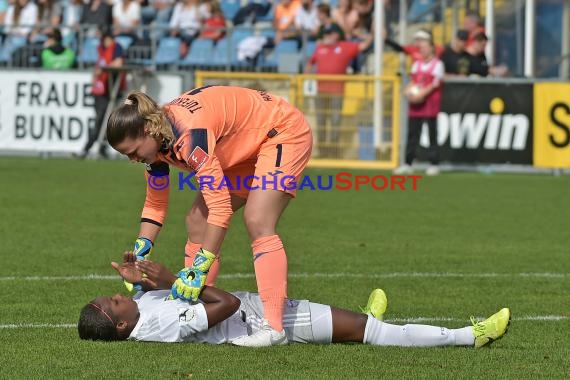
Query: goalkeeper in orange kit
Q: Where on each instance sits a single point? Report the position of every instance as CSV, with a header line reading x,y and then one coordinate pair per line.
x,y
220,133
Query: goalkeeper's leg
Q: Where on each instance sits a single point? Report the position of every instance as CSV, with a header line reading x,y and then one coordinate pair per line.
x,y
263,209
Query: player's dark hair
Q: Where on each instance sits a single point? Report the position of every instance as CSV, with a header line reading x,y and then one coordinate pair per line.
x,y
96,324
138,116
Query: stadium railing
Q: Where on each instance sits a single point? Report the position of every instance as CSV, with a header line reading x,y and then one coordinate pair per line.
x,y
354,147
23,53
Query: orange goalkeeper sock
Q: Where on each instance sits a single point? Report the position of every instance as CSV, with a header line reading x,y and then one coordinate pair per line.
x,y
270,262
190,251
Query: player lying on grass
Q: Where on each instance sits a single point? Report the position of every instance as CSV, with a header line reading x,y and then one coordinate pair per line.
x,y
222,317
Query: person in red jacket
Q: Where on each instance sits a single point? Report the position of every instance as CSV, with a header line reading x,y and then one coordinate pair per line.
x,y
332,56
214,27
109,54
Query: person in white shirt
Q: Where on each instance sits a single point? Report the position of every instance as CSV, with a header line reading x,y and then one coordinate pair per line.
x,y
186,20
306,20
222,317
127,18
21,18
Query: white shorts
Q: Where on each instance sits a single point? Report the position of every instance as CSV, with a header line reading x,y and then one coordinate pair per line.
x,y
303,321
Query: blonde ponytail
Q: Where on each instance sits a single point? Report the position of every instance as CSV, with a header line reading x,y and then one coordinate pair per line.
x,y
139,115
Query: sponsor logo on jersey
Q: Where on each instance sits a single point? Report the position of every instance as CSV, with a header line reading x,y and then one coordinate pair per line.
x,y
197,158
186,315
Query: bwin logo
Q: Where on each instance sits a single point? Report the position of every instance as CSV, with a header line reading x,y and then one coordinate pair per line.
x,y
496,131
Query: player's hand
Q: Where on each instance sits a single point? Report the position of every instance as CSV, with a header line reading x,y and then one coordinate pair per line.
x,y
156,273
142,251
188,285
134,278
129,257
128,271
191,280
143,248
203,260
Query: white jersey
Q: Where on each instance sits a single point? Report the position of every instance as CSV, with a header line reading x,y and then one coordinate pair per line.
x,y
164,320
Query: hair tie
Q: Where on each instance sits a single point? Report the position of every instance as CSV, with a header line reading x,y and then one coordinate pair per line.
x,y
128,102
102,312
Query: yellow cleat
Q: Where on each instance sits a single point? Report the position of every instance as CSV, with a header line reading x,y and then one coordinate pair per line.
x,y
492,328
377,304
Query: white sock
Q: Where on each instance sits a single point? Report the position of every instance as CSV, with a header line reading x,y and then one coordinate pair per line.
x,y
384,334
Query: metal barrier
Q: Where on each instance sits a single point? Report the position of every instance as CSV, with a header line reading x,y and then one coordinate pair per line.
x,y
339,108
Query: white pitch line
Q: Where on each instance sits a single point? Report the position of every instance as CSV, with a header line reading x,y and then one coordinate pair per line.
x,y
102,277
13,326
545,318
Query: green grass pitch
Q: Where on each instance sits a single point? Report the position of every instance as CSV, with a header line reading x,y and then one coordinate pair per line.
x,y
461,245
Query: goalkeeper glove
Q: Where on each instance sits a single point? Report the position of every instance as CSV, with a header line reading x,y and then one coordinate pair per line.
x,y
142,251
188,285
191,280
143,248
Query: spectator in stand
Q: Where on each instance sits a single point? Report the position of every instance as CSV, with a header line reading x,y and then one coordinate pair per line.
x,y
326,22
307,21
454,57
365,25
157,11
284,19
3,9
186,21
346,17
98,15
49,13
332,56
252,11
424,93
473,24
127,18
21,18
412,50
110,54
54,55
214,27
478,65
70,19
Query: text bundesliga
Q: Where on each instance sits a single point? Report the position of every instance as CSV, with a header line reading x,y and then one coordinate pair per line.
x,y
339,181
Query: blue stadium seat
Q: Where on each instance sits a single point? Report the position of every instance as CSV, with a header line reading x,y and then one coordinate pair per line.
x,y
230,8
10,45
70,41
271,61
239,33
200,53
89,53
267,32
221,56
124,41
309,49
419,11
168,51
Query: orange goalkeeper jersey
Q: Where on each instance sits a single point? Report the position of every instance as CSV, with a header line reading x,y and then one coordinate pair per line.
x,y
216,128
